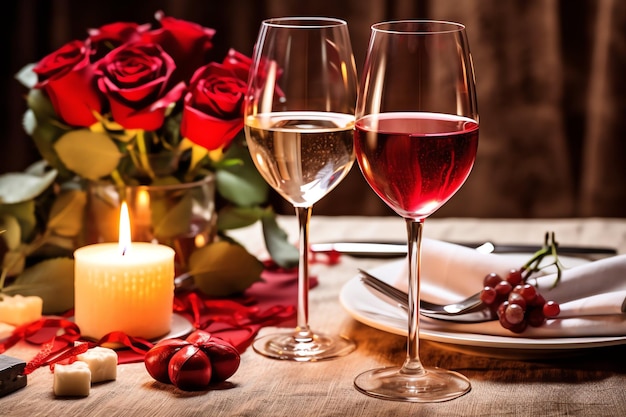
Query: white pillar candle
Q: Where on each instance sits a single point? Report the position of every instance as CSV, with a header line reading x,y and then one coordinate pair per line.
x,y
131,292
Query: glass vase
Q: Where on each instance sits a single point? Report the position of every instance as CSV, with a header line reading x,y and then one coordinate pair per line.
x,y
181,216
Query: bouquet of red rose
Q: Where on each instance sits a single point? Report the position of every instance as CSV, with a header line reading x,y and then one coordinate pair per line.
x,y
128,94
132,105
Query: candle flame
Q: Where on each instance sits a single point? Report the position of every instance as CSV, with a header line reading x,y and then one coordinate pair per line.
x,y
124,233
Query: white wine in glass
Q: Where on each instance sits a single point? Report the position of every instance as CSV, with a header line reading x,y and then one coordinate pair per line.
x,y
416,138
299,122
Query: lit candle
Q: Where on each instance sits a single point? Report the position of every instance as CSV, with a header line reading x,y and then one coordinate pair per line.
x,y
127,287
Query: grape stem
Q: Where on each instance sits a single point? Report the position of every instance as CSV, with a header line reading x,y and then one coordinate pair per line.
x,y
550,247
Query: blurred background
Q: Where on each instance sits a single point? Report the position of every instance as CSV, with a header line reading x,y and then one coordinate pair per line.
x,y
551,80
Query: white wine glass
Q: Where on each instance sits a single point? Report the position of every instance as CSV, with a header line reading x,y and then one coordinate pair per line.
x,y
416,138
299,121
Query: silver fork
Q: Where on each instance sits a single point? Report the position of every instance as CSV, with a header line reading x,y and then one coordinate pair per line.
x,y
470,310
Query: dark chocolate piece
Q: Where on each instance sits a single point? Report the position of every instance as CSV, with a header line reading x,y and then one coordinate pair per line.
x,y
11,374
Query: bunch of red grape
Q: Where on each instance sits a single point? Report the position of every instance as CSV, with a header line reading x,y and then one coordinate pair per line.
x,y
516,303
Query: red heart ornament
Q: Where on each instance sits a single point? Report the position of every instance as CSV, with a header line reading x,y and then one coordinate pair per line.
x,y
193,363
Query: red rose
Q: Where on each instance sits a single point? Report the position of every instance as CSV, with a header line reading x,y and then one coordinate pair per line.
x,y
108,37
136,79
213,107
188,43
238,63
68,79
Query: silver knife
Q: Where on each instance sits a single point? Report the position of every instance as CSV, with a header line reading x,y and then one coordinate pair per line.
x,y
397,249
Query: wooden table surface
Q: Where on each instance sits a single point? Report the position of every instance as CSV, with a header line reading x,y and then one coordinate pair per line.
x,y
566,383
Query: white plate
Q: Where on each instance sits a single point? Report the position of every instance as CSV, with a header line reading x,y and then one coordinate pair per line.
x,y
367,308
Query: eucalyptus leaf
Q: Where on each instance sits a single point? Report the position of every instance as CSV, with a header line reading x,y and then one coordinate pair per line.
x,y
66,214
222,269
17,187
231,217
91,155
276,241
52,280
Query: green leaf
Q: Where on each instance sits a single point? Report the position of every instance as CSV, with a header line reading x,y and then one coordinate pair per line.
x,y
14,262
41,123
25,215
66,214
222,269
91,155
44,135
12,232
276,241
231,217
41,105
241,183
52,280
17,187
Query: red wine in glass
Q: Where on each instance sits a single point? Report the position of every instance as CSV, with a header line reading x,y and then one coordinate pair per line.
x,y
416,161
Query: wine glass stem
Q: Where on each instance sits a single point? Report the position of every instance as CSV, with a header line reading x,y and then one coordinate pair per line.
x,y
303,333
412,365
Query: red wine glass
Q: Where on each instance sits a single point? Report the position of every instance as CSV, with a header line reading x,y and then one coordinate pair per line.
x,y
416,138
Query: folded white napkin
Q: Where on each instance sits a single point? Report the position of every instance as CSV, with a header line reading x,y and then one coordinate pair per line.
x,y
592,295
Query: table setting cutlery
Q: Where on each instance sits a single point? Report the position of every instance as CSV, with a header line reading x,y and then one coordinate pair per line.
x,y
469,310
363,249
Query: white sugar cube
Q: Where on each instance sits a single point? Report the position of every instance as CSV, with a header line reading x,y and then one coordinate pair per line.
x,y
18,310
73,380
102,363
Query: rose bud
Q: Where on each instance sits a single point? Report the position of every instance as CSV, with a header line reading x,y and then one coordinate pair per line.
x,y
190,368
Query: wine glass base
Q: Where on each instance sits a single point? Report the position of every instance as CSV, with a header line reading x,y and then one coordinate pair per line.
x,y
318,347
435,385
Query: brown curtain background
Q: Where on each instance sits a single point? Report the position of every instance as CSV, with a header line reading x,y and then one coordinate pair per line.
x,y
551,79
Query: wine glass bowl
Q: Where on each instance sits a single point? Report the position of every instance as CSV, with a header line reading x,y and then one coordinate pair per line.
x,y
415,162
416,139
299,122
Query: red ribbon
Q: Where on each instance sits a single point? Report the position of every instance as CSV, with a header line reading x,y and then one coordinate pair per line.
x,y
228,319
